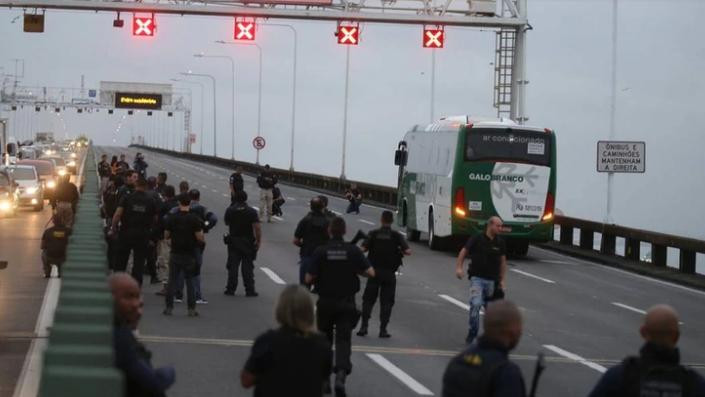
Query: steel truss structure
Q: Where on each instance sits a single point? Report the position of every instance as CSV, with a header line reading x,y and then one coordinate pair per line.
x,y
507,17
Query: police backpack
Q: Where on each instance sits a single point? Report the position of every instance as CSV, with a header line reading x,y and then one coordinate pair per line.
x,y
660,380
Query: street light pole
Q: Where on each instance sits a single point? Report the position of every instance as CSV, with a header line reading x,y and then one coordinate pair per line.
x,y
433,84
202,101
232,67
215,133
259,89
293,91
613,107
345,109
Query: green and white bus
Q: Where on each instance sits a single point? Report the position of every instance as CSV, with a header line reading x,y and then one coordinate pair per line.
x,y
458,172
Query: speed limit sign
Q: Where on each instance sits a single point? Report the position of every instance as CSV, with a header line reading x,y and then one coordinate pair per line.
x,y
259,143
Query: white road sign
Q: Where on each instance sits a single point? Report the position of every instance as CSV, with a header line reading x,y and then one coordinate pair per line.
x,y
620,156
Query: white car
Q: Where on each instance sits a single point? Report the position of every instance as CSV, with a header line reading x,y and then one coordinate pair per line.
x,y
31,191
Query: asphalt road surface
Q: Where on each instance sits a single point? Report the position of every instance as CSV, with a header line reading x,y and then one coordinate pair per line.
x,y
583,316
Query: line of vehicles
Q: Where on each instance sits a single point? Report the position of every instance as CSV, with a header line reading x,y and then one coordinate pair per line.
x,y
30,172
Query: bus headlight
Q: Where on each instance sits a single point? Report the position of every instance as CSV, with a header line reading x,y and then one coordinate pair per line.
x,y
62,172
73,155
51,184
71,163
32,190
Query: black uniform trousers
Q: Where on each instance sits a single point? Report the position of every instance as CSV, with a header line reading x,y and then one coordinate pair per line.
x,y
238,259
337,317
139,246
384,285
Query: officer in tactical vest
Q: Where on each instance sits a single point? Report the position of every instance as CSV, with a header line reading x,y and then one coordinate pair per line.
x,y
310,233
657,370
385,248
483,369
334,268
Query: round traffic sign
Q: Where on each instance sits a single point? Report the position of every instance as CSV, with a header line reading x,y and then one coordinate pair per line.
x,y
258,143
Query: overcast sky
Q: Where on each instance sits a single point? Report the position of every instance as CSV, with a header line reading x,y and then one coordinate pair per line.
x,y
660,83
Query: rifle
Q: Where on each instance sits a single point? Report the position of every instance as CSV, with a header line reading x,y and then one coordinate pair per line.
x,y
540,366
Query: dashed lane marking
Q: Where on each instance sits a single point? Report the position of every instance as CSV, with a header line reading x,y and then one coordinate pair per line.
x,y
634,309
275,277
572,356
527,274
279,218
454,301
402,376
366,222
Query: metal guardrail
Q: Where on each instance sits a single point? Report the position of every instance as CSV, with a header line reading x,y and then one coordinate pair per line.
x,y
79,359
387,196
381,195
633,238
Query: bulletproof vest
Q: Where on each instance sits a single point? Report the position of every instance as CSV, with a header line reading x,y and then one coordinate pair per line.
x,y
470,373
57,242
316,231
642,379
384,250
337,275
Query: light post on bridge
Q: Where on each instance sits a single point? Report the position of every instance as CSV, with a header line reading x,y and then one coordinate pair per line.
x,y
232,67
202,114
293,90
215,133
259,84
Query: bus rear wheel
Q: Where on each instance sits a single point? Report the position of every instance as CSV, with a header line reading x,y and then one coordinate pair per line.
x,y
435,243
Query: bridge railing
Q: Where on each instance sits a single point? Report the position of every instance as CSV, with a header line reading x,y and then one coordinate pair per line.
x,y
79,359
387,197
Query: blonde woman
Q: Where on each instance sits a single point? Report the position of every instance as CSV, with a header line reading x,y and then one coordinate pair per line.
x,y
292,360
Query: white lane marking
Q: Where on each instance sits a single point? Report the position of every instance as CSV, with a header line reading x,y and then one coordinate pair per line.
x,y
256,208
225,195
402,376
291,199
204,186
402,233
627,307
575,357
634,309
279,218
336,212
214,191
624,272
28,382
454,301
545,280
366,222
555,262
275,277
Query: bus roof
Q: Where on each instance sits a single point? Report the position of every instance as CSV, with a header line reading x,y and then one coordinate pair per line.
x,y
453,122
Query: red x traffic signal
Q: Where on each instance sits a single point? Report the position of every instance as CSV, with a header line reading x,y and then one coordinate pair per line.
x,y
348,34
143,26
245,30
433,38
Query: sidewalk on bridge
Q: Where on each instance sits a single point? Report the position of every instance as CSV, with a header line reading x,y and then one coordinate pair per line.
x,y
670,274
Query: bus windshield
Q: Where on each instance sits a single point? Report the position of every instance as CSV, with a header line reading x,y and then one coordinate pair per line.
x,y
508,145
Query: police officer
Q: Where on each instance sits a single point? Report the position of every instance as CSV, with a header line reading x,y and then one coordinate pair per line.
x,y
488,266
66,196
334,268
161,182
266,181
236,181
136,214
140,166
483,369
657,370
245,236
326,211
163,248
385,249
156,236
310,233
104,172
130,179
